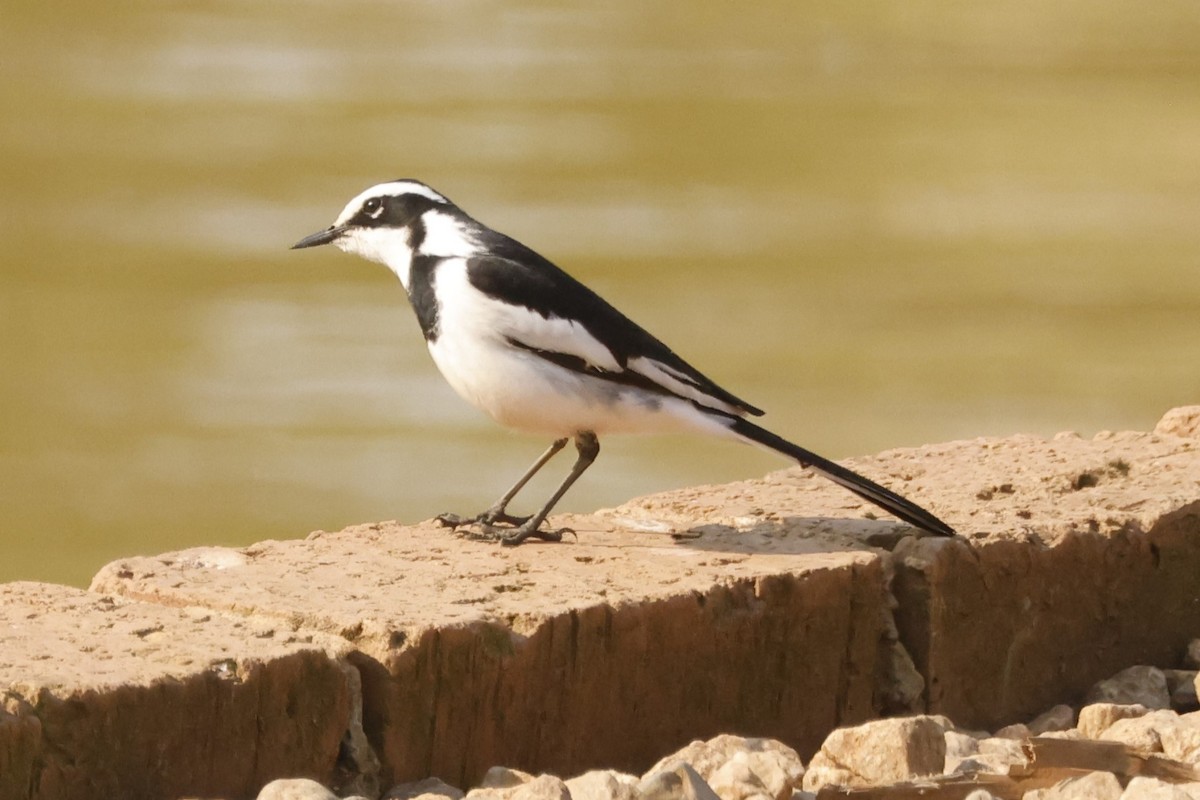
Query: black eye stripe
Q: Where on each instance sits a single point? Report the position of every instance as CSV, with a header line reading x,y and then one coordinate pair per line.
x,y
392,211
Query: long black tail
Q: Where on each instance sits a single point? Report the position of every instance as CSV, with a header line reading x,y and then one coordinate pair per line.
x,y
886,499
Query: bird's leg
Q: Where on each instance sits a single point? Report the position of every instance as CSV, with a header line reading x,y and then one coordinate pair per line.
x,y
496,513
589,447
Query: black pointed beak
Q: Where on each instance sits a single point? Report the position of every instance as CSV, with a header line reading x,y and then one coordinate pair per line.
x,y
320,237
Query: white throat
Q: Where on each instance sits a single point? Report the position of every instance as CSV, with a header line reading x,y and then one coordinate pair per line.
x,y
444,236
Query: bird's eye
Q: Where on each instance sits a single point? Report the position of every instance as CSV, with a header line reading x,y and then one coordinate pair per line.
x,y
373,207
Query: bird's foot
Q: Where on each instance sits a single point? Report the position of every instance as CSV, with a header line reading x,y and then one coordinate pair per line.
x,y
514,531
488,518
513,537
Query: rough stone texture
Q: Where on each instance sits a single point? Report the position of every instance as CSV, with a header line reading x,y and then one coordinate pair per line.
x,y
1181,740
1141,733
1093,786
503,778
603,784
1183,421
543,787
680,783
1098,717
774,767
560,658
295,789
106,697
1138,685
1073,546
1154,789
877,753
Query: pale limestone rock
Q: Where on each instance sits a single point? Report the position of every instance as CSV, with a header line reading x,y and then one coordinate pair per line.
x,y
776,766
878,753
428,789
1181,740
1093,786
543,787
603,784
295,789
680,783
1141,788
1140,685
1191,659
734,780
1017,731
1070,733
1058,718
1095,719
1182,421
1142,733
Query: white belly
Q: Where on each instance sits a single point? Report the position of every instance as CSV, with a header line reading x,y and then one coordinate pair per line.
x,y
521,390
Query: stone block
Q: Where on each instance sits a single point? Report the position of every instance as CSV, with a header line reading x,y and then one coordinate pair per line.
x,y
1081,559
606,653
108,697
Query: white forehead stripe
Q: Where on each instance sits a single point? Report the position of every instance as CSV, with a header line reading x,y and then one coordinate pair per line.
x,y
390,188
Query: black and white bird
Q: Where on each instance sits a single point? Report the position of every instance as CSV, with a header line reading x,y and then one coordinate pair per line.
x,y
538,351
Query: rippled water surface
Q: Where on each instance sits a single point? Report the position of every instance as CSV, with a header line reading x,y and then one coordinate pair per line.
x,y
885,223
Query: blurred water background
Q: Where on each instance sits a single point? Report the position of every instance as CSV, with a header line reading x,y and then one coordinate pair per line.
x,y
886,223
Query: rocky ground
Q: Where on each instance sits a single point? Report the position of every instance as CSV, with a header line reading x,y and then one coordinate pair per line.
x,y
780,607
1136,738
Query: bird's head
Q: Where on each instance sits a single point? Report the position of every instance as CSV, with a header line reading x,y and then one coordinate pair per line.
x,y
390,222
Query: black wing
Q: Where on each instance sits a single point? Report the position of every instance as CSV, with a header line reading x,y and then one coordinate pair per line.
x,y
519,276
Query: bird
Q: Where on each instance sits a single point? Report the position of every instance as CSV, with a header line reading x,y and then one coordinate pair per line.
x,y
538,351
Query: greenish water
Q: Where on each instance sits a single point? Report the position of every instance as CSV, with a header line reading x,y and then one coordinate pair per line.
x,y
885,223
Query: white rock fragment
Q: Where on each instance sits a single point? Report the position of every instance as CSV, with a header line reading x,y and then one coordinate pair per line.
x,y
603,784
776,766
736,781
1141,788
1141,733
878,753
1093,786
543,787
295,789
1181,740
981,794
1140,685
1099,717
